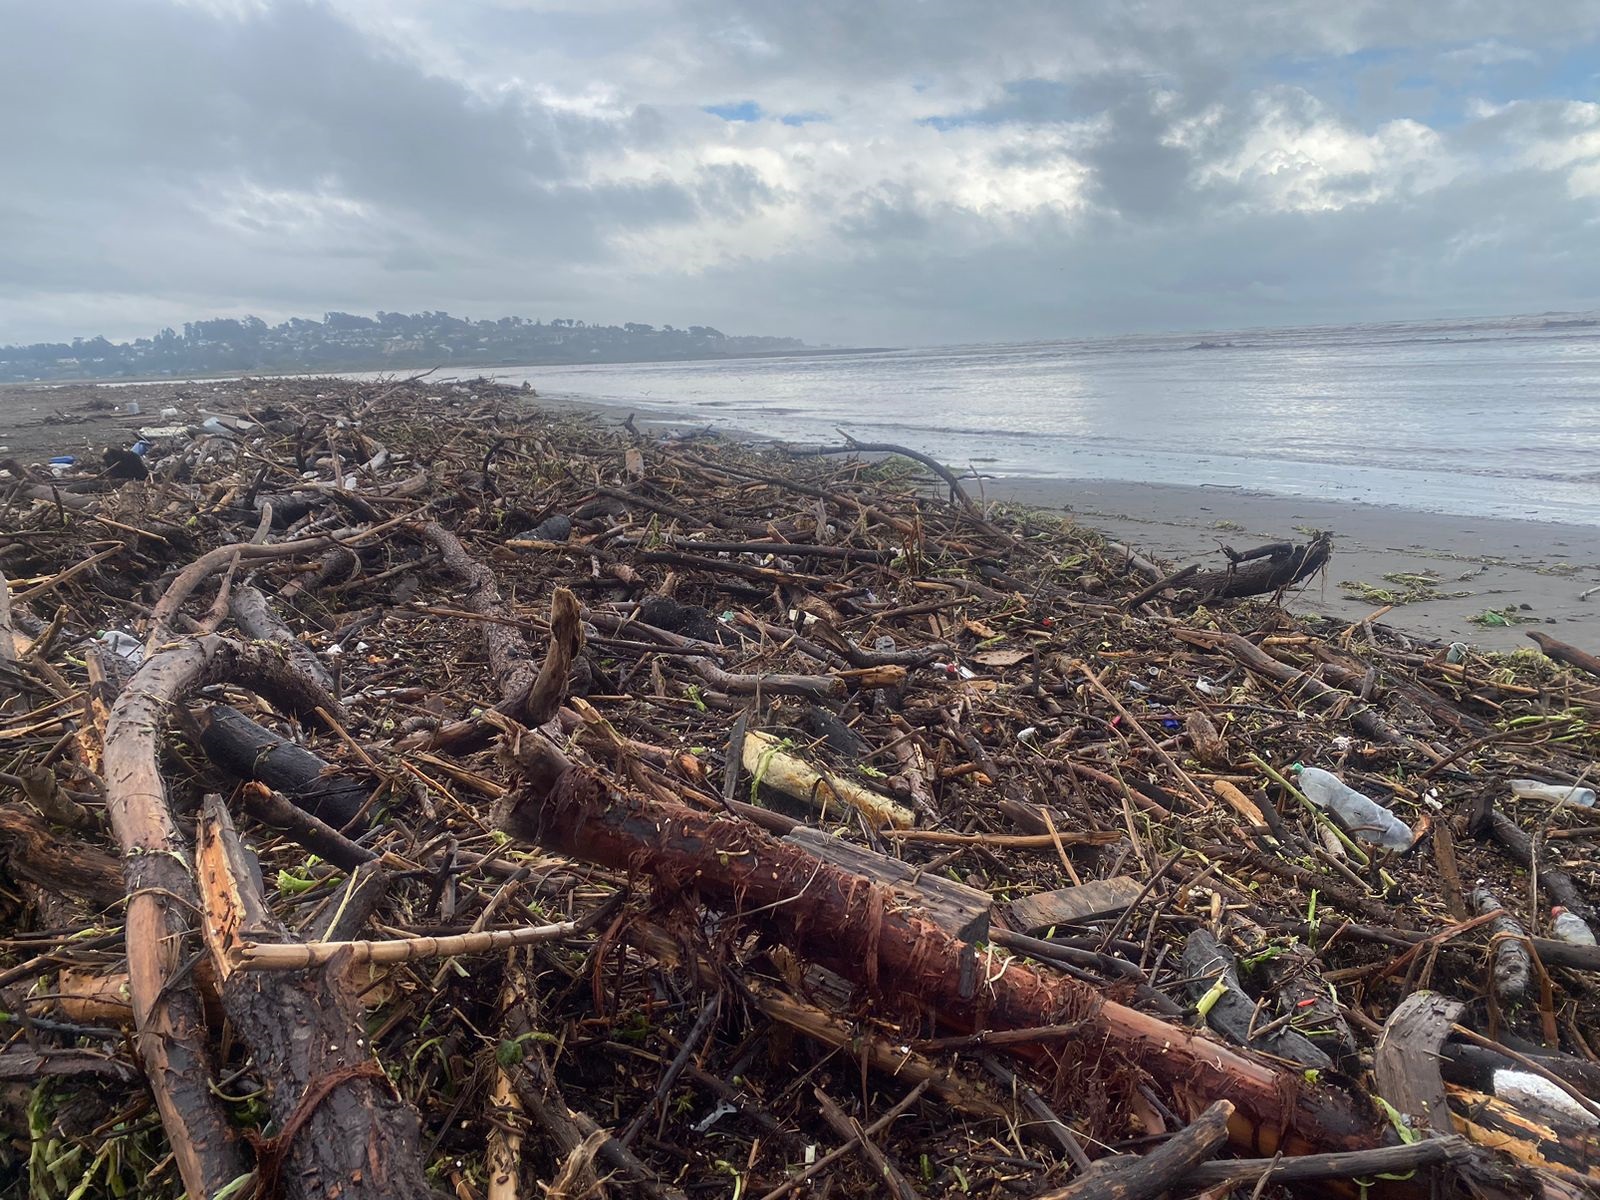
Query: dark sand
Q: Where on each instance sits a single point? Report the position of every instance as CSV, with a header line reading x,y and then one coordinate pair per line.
x,y
1498,562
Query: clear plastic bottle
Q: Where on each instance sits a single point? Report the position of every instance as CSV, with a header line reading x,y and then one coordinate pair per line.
x,y
1570,927
1366,819
1554,793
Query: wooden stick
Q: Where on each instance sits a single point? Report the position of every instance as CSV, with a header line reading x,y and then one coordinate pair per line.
x,y
1158,1171
270,956
874,1157
833,1156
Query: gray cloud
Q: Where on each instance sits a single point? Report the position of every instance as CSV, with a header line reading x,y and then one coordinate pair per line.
x,y
975,171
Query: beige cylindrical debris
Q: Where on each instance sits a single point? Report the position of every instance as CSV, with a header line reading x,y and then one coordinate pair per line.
x,y
776,768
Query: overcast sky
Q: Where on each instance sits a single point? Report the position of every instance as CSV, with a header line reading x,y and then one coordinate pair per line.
x,y
840,170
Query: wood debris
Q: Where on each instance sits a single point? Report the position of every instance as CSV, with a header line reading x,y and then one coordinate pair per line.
x,y
417,790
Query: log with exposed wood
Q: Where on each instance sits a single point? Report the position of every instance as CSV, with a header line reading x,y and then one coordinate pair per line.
x,y
857,928
161,889
342,1128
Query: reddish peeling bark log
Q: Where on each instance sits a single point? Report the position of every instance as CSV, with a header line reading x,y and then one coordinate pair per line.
x,y
161,891
857,928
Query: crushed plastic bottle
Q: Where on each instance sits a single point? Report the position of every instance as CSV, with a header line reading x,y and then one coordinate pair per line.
x,y
1366,819
1572,928
1554,793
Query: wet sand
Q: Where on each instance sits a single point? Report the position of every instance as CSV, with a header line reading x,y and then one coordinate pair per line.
x,y
1496,562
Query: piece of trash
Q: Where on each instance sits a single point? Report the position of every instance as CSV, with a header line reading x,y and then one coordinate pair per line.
x,y
1457,653
723,1109
1205,687
122,645
133,408
1554,793
1571,928
1367,820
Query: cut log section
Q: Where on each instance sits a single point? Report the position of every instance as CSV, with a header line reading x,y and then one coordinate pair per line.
x,y
250,751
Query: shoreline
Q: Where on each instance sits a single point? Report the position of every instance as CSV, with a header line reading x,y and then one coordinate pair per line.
x,y
1496,561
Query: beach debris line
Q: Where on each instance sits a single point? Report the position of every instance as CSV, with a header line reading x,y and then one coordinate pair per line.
x,y
544,807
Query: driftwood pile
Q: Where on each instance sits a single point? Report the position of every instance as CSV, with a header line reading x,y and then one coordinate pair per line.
x,y
408,790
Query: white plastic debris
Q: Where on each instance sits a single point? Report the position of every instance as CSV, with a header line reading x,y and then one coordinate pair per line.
x,y
1554,793
1572,928
122,645
1366,819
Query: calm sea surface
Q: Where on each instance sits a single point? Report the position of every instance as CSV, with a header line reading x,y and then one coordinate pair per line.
x,y
1494,417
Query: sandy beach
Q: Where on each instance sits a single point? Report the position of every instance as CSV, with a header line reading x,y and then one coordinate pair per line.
x,y
1474,563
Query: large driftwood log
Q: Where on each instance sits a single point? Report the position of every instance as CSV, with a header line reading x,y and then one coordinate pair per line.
x,y
853,926
343,1130
242,747
161,891
1262,571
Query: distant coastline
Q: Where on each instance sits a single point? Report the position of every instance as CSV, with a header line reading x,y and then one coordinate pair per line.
x,y
445,370
341,342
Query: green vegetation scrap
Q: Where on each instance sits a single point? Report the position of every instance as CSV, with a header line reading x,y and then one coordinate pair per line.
x,y
1410,587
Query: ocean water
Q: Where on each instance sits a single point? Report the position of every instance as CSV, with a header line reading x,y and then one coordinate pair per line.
x,y
1484,417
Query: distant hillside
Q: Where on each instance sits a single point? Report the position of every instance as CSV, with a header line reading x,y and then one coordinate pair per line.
x,y
344,342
